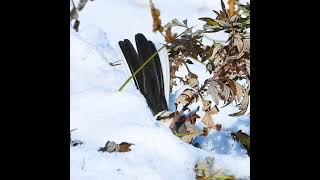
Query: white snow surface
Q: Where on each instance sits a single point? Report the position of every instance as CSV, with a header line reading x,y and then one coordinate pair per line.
x,y
101,113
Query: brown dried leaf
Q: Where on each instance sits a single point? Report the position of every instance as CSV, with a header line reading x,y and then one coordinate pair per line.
x,y
223,6
230,100
185,97
237,41
208,121
111,146
239,89
205,131
125,147
214,92
231,85
226,92
243,105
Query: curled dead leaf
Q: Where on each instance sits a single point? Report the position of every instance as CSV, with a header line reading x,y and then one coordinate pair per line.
x,y
243,105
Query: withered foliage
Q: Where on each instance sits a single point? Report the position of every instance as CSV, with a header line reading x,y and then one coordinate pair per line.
x,y
74,13
227,62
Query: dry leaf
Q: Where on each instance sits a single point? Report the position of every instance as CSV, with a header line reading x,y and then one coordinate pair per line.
x,y
185,97
111,146
193,82
214,92
205,131
243,105
125,147
208,121
176,22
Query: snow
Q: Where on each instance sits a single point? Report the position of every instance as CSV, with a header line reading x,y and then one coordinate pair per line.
x,y
101,113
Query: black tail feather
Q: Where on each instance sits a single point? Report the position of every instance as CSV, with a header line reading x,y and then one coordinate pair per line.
x,y
150,80
133,61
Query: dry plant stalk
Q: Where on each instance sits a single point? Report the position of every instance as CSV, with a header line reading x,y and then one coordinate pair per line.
x,y
155,18
231,7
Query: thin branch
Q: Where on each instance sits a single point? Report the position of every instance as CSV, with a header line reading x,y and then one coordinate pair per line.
x,y
187,67
83,162
73,4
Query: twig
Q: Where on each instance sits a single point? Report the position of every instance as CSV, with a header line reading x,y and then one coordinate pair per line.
x,y
187,67
73,4
83,162
181,79
73,129
115,63
162,34
184,134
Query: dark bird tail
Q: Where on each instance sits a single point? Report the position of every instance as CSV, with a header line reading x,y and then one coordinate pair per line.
x,y
150,80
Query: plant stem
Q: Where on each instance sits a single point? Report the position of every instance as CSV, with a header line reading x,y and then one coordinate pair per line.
x,y
231,8
187,67
184,134
73,129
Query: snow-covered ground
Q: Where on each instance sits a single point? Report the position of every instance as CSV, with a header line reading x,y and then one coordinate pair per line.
x,y
101,113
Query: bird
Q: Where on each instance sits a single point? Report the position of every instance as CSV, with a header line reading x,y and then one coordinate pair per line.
x,y
153,80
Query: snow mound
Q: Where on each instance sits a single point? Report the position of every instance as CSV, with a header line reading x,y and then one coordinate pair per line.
x,y
101,113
